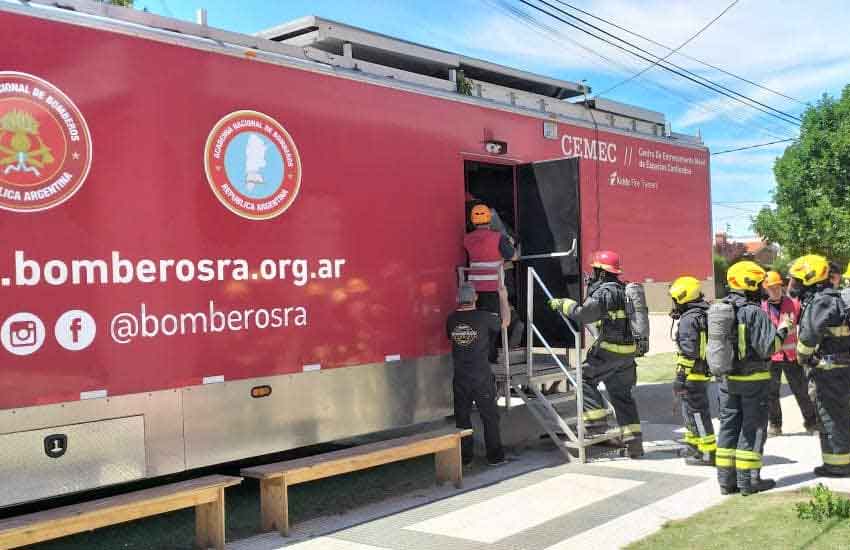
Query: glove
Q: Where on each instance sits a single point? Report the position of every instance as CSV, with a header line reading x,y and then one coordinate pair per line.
x,y
562,305
787,322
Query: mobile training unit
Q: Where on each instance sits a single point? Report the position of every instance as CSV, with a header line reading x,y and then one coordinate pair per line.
x,y
217,246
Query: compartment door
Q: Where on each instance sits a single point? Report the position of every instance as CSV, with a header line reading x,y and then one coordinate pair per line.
x,y
549,220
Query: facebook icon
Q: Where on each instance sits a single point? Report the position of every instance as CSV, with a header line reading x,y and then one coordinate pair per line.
x,y
75,330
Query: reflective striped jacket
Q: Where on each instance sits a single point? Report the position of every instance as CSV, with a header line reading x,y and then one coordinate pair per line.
x,y
824,331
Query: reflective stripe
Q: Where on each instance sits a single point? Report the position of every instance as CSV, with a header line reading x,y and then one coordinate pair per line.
x,y
617,314
622,349
698,378
836,460
742,341
683,361
485,264
703,344
824,365
756,376
747,455
631,429
483,277
843,330
789,346
742,464
804,349
595,414
690,438
707,444
724,458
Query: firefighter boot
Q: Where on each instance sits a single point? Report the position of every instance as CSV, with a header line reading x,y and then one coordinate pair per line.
x,y
828,470
754,483
634,446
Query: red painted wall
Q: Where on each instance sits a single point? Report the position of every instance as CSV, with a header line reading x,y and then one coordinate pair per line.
x,y
382,188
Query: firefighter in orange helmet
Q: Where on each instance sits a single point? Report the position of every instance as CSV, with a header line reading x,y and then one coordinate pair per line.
x,y
611,359
487,249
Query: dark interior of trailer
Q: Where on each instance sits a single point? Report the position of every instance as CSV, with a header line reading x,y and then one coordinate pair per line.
x,y
538,204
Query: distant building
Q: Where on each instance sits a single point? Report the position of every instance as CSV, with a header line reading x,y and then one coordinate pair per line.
x,y
732,249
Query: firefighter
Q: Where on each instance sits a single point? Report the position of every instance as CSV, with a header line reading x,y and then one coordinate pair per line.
x,y
487,249
692,374
743,393
824,343
470,331
776,305
611,359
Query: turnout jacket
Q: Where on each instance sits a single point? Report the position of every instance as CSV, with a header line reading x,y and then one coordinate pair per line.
x,y
691,338
757,339
606,305
824,330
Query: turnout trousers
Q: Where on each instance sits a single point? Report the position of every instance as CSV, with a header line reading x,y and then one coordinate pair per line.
x,y
483,393
620,376
833,401
743,427
699,431
799,387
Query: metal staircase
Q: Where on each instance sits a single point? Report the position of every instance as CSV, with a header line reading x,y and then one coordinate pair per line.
x,y
522,373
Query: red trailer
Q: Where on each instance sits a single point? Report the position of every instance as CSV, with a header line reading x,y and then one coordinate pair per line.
x,y
216,246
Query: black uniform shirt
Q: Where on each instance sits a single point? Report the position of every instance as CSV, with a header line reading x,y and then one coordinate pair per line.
x,y
471,332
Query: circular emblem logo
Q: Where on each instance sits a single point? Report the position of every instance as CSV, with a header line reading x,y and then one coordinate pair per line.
x,y
45,145
252,165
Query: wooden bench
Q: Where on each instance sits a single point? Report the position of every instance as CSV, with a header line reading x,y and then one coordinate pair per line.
x,y
206,494
276,478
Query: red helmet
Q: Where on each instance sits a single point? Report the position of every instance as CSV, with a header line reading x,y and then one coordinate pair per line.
x,y
607,260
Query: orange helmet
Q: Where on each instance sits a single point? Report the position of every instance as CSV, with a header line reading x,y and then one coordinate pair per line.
x,y
772,278
606,260
480,215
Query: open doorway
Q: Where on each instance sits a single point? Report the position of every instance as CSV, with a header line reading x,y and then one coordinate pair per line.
x,y
493,185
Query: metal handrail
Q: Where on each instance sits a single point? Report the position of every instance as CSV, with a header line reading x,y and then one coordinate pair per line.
x,y
532,330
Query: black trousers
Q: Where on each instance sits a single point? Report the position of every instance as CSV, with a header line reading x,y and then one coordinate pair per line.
x,y
743,427
620,376
489,301
699,431
833,394
799,387
482,392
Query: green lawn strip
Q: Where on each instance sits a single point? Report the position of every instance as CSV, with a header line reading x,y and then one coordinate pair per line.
x,y
656,368
756,522
325,497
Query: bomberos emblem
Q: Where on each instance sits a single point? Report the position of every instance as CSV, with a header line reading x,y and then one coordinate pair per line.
x,y
45,145
252,165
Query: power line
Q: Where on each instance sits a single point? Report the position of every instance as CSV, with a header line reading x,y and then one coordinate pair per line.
x,y
751,147
528,20
694,59
697,79
682,45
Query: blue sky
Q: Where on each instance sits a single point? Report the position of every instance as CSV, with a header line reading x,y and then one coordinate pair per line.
x,y
797,48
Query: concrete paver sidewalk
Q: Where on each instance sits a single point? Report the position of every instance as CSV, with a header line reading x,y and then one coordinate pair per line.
x,y
539,503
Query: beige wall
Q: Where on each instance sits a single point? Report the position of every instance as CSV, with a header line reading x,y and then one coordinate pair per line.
x,y
659,300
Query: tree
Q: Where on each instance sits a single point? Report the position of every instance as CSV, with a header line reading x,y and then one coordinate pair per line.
x,y
812,195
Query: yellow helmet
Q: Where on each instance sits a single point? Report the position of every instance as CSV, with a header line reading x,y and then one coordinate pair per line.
x,y
480,215
810,269
685,289
745,275
772,278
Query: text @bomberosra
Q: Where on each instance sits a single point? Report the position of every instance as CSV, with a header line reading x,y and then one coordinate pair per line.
x,y
118,270
24,333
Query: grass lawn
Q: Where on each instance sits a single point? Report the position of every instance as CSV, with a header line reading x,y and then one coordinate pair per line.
x,y
656,368
766,521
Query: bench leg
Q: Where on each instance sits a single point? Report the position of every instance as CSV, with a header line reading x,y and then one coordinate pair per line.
x,y
274,505
209,523
449,466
